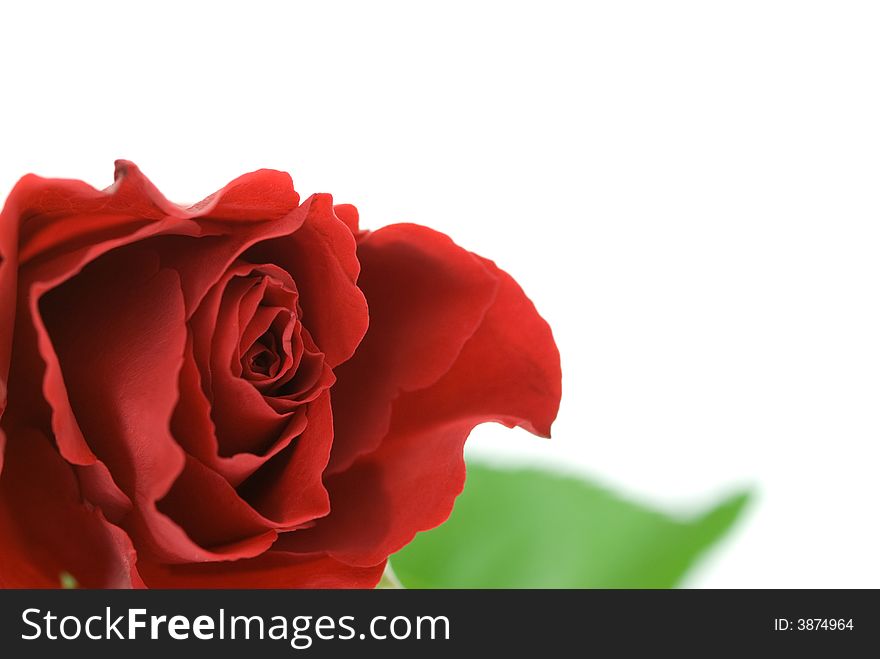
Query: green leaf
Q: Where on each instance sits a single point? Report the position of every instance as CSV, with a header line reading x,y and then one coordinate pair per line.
x,y
68,581
532,529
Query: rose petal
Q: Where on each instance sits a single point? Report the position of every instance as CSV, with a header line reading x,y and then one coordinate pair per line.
x,y
195,500
312,377
8,283
46,530
46,208
348,214
119,332
271,570
160,538
427,296
321,258
507,372
290,488
121,363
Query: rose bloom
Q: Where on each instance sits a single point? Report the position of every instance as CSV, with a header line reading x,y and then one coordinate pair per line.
x,y
247,392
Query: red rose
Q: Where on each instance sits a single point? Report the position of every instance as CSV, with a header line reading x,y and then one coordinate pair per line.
x,y
199,397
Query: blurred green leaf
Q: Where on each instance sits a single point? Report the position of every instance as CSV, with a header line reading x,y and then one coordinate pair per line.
x,y
532,529
68,581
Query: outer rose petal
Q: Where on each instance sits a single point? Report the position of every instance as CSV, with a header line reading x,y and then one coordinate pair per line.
x,y
508,372
273,569
120,362
8,278
45,528
47,208
427,296
349,215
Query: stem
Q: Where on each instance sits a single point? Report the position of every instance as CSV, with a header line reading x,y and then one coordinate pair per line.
x,y
389,579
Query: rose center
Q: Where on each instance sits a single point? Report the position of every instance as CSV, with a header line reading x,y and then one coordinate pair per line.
x,y
260,363
262,357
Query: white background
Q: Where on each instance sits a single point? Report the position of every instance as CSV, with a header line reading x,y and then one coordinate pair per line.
x,y
688,190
